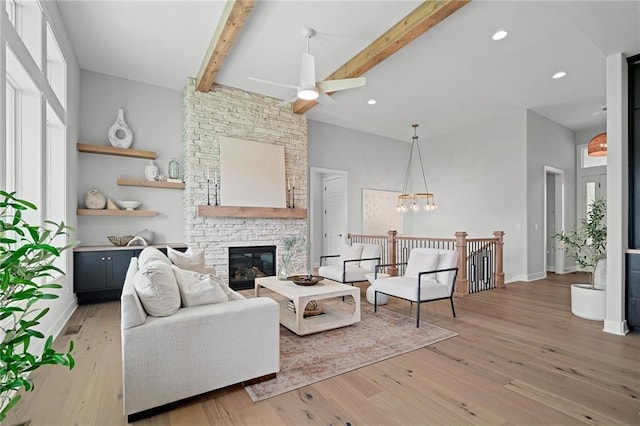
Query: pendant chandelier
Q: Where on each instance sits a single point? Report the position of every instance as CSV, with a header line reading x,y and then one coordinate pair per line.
x,y
598,145
415,202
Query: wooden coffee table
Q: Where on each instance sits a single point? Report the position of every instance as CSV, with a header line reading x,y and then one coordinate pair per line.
x,y
301,295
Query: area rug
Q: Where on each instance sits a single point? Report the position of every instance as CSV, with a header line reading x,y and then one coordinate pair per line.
x,y
378,336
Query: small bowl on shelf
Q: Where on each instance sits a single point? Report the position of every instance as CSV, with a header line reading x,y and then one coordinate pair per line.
x,y
305,280
129,205
120,240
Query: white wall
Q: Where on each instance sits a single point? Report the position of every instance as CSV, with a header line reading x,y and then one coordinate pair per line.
x,y
478,178
548,144
371,161
154,114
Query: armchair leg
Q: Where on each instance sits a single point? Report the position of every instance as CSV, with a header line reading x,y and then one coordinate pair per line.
x,y
375,301
418,315
452,308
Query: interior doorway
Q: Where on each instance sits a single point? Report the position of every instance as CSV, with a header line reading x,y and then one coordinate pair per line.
x,y
328,212
554,255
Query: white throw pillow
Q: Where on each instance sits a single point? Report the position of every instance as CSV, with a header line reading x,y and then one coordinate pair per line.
x,y
421,262
351,253
198,289
192,260
151,254
157,289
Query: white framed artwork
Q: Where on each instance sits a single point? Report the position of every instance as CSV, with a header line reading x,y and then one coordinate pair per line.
x,y
379,212
251,174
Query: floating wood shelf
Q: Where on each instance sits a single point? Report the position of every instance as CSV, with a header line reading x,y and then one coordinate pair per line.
x,y
106,212
120,152
150,183
262,212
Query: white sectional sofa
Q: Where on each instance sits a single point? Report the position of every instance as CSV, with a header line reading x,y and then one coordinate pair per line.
x,y
194,350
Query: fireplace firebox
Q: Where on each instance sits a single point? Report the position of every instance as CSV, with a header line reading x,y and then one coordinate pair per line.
x,y
248,263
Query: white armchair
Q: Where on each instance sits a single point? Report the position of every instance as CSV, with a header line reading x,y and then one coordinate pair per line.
x,y
356,261
430,275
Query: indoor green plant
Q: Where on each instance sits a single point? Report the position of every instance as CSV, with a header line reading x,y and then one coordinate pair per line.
x,y
27,255
587,246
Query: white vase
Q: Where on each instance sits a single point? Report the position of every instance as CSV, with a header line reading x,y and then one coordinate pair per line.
x,y
588,303
95,200
151,171
120,135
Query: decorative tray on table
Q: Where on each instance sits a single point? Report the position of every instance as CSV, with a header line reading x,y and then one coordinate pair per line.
x,y
305,279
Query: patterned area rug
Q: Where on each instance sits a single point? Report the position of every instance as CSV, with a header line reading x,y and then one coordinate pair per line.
x,y
378,336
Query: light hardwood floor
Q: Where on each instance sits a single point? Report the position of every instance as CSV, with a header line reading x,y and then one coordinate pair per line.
x,y
520,358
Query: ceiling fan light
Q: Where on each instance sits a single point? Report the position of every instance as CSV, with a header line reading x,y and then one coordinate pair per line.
x,y
308,94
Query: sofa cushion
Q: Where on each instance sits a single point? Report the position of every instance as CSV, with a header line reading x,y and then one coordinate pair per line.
x,y
151,254
369,251
407,288
351,253
420,261
334,272
157,288
198,289
192,259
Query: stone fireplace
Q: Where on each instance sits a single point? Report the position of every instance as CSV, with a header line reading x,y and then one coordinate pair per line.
x,y
233,113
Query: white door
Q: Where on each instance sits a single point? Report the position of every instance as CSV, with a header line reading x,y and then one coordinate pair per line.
x,y
593,187
333,221
551,222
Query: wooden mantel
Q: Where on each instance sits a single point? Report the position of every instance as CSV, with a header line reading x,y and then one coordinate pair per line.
x,y
261,212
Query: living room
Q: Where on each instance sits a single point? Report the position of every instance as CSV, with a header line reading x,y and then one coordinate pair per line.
x,y
486,173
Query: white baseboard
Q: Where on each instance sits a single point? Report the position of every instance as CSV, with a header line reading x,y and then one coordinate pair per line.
x,y
615,327
536,276
516,278
568,270
551,268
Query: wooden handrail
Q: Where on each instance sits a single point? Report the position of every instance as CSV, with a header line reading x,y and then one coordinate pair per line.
x,y
460,243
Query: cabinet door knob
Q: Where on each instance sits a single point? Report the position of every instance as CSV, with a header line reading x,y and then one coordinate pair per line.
x,y
108,258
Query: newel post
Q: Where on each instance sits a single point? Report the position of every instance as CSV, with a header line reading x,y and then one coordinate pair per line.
x,y
462,283
499,273
391,252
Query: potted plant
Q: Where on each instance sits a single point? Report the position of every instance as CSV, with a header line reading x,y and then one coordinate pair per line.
x,y
27,255
587,246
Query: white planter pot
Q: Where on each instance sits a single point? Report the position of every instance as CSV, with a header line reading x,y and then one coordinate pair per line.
x,y
588,303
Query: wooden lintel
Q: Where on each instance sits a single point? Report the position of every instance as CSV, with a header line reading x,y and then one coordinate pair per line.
x,y
424,17
233,18
253,212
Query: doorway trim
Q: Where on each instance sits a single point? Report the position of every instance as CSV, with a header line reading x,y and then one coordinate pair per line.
x,y
559,184
314,208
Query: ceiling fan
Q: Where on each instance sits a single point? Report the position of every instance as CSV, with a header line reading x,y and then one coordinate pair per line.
x,y
308,88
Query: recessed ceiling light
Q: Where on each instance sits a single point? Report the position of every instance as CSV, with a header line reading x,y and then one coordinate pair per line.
x,y
371,101
559,74
499,35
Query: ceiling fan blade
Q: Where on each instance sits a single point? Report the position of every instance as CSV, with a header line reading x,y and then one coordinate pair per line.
x,y
288,100
330,86
273,83
307,70
325,99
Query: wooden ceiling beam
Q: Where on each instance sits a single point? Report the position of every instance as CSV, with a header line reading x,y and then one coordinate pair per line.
x,y
424,17
233,18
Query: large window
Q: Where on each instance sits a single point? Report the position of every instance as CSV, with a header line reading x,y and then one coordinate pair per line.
x,y
34,149
589,161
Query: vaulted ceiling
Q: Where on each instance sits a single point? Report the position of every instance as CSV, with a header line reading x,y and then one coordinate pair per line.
x,y
451,77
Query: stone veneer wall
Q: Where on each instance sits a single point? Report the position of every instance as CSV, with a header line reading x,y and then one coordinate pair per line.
x,y
226,111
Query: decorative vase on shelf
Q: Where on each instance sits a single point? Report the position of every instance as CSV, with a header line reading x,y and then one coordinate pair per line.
x,y
174,169
95,200
151,171
120,134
